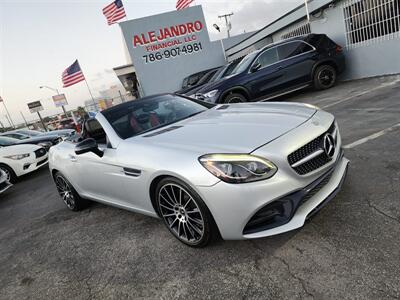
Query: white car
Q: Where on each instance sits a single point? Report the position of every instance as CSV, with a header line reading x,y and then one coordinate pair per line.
x,y
244,171
18,160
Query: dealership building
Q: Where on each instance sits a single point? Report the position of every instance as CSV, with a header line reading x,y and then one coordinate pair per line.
x,y
368,30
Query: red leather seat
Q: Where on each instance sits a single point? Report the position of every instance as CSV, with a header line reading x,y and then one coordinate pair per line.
x,y
135,124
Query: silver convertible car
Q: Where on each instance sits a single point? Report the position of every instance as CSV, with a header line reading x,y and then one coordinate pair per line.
x,y
239,171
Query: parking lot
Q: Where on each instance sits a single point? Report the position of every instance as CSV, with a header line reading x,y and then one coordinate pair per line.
x,y
349,250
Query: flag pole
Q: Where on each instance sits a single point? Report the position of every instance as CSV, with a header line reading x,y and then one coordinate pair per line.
x,y
90,92
308,12
11,121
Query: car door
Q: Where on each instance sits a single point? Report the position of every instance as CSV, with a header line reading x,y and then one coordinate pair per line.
x,y
296,59
99,177
265,74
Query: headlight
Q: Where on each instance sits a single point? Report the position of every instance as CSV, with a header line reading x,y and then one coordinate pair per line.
x,y
17,157
238,168
211,94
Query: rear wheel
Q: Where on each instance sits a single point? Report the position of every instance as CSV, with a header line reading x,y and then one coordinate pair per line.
x,y
325,77
184,213
235,98
11,177
68,194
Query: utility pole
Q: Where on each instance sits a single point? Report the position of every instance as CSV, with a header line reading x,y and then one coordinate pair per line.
x,y
8,114
228,23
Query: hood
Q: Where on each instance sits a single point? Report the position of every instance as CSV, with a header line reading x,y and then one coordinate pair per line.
x,y
18,149
39,139
237,128
214,85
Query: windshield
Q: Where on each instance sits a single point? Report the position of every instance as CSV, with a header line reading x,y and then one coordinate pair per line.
x,y
140,116
7,141
245,63
30,132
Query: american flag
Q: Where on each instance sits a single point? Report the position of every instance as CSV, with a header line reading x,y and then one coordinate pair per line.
x,y
114,12
73,74
182,4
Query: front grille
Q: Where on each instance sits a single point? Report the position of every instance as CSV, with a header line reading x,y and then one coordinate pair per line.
x,y
308,149
40,152
311,193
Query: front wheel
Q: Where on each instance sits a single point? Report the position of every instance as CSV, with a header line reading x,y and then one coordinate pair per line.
x,y
184,213
68,194
325,77
235,98
10,174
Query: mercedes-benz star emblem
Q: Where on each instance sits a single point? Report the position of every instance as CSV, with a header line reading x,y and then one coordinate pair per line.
x,y
329,145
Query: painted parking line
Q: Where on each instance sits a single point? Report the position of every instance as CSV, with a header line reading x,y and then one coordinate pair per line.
x,y
382,86
371,137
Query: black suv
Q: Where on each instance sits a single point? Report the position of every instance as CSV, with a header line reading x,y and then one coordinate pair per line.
x,y
278,69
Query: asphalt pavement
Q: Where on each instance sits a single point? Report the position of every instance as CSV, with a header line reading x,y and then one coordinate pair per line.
x,y
349,250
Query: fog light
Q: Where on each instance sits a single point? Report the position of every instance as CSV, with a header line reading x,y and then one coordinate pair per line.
x,y
26,166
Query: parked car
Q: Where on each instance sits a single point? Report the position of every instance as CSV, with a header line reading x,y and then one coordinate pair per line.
x,y
203,80
18,160
221,73
43,141
27,133
67,123
4,183
193,79
279,69
244,171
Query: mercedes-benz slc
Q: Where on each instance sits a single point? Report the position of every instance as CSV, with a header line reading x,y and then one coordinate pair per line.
x,y
236,171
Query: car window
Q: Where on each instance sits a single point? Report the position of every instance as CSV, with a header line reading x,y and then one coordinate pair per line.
x,y
137,117
291,49
268,57
245,63
94,130
6,141
17,136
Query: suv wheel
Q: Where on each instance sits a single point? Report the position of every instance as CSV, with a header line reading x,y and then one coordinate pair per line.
x,y
11,177
235,98
325,77
184,213
68,194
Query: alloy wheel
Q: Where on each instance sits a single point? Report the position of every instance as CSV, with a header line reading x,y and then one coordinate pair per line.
x,y
326,77
65,192
181,213
235,100
8,174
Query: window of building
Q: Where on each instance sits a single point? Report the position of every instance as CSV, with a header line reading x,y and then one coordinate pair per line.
x,y
370,19
292,49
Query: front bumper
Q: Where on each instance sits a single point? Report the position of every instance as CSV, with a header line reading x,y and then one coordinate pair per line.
x,y
30,164
233,206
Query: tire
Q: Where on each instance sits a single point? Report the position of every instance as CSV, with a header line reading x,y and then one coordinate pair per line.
x,y
184,213
68,194
11,177
235,98
325,77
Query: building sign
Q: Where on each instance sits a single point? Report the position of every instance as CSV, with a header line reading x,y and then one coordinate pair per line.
x,y
168,47
35,106
60,100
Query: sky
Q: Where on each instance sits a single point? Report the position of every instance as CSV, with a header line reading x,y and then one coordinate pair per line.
x,y
40,39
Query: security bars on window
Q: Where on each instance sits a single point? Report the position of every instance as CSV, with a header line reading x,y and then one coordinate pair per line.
x,y
297,31
369,21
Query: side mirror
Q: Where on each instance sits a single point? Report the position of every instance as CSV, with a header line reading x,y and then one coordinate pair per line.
x,y
255,67
88,145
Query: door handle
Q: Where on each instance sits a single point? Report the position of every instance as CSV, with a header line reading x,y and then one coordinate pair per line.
x,y
279,68
72,158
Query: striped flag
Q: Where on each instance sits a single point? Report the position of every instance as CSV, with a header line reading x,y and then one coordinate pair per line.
x,y
73,74
182,4
114,12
